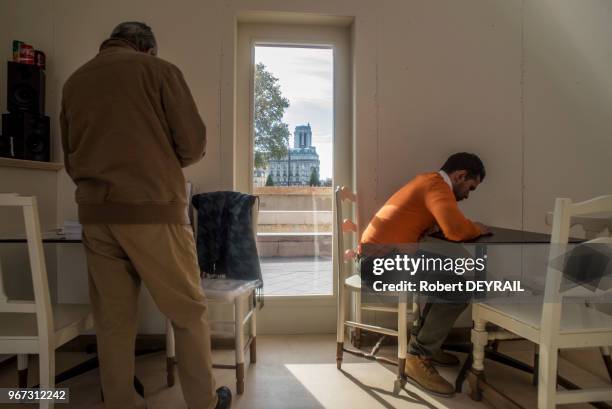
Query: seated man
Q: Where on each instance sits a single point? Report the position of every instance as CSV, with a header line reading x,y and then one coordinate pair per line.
x,y
427,200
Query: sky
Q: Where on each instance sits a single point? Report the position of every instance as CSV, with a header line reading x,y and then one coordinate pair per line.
x,y
306,79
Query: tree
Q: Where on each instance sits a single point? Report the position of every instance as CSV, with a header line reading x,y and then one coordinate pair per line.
x,y
269,180
271,133
314,178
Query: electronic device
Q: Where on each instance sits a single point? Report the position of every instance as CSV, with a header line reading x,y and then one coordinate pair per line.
x,y
28,135
6,148
25,88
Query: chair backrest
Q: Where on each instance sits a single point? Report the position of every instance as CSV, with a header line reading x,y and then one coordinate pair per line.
x,y
601,245
42,300
192,214
564,210
344,225
210,244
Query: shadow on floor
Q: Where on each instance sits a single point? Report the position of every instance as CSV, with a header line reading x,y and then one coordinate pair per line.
x,y
370,390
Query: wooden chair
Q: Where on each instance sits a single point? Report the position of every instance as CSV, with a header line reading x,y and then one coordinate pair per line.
x,y
553,325
593,226
349,282
37,327
241,294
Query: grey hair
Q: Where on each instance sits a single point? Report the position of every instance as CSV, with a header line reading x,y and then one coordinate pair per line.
x,y
139,34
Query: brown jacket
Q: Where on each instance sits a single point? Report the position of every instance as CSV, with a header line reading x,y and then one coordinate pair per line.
x,y
129,124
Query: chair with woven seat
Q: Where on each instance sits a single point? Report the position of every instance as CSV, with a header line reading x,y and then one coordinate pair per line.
x,y
37,327
349,282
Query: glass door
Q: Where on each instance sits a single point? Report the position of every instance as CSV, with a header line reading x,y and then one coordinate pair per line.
x,y
293,110
292,144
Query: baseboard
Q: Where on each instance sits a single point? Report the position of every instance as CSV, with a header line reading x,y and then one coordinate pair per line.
x,y
144,343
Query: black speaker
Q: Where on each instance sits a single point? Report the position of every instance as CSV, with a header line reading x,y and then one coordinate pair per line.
x,y
29,135
6,149
26,88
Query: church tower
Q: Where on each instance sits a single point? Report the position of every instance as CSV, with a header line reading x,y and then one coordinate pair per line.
x,y
296,168
302,137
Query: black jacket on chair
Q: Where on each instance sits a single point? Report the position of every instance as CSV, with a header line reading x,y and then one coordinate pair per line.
x,y
225,240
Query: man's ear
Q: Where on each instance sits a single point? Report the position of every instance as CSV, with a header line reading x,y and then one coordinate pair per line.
x,y
460,175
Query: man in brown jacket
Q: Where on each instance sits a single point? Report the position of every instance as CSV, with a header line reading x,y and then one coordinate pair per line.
x,y
129,124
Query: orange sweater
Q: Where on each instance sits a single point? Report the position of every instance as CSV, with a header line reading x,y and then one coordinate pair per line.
x,y
414,209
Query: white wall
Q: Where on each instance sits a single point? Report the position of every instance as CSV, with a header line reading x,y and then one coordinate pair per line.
x,y
18,21
524,83
568,99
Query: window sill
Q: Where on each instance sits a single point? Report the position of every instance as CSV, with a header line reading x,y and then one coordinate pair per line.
x,y
30,164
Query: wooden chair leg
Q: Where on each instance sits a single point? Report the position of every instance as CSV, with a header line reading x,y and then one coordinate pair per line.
x,y
46,373
479,342
358,318
253,350
474,378
22,370
239,343
402,343
340,318
547,376
170,362
400,381
240,378
253,325
170,354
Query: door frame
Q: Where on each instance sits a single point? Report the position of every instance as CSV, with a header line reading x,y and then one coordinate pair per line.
x,y
306,313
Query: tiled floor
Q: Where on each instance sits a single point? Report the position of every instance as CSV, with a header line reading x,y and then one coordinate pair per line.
x,y
297,276
299,372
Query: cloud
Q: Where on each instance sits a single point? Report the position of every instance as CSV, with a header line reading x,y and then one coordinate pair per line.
x,y
319,113
322,138
302,72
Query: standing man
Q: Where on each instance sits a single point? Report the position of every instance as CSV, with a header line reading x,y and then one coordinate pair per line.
x,y
129,124
428,200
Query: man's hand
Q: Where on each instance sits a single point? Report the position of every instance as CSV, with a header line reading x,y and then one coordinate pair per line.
x,y
484,230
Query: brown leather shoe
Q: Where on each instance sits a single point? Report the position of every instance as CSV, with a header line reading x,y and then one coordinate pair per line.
x,y
421,372
441,358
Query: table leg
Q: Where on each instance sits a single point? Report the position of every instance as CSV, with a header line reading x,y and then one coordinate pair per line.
x,y
463,373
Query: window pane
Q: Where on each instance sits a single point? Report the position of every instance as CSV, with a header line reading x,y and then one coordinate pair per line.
x,y
293,129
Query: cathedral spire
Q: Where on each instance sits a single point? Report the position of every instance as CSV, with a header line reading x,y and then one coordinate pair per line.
x,y
302,136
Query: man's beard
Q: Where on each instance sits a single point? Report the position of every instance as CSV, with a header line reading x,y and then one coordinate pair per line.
x,y
457,194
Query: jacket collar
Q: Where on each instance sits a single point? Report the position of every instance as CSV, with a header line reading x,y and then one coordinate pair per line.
x,y
116,44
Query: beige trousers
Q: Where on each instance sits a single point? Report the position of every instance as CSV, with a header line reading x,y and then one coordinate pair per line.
x,y
163,256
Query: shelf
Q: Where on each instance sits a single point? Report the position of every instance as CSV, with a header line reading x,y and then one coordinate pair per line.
x,y
30,164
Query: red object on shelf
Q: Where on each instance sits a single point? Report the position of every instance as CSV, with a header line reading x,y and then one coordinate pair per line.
x,y
26,54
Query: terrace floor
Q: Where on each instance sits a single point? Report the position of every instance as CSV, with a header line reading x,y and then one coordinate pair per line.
x,y
297,275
